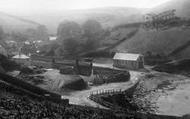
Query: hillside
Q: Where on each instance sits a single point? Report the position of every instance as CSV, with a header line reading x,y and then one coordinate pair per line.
x,y
108,17
173,41
175,67
181,6
162,42
13,23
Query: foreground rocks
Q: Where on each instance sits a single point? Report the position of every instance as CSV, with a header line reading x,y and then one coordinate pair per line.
x,y
15,106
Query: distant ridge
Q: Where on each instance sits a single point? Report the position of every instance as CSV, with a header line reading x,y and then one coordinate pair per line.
x,y
21,19
12,23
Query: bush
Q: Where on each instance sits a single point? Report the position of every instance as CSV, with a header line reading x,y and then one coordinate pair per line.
x,y
7,64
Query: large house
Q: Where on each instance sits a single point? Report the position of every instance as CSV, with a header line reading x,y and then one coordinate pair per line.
x,y
128,60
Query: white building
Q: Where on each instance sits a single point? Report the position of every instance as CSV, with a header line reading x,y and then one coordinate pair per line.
x,y
128,60
21,59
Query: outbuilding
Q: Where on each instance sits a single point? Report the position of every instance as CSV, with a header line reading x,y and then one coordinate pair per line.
x,y
128,60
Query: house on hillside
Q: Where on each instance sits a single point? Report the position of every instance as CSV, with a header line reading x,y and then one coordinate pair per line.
x,y
22,59
128,60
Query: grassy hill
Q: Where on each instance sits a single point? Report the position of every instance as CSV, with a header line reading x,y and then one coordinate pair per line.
x,y
13,23
181,6
108,17
173,41
162,42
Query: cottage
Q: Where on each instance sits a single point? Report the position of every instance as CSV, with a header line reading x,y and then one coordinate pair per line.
x,y
21,59
128,60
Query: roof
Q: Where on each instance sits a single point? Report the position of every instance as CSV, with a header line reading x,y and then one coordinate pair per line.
x,y
126,56
21,56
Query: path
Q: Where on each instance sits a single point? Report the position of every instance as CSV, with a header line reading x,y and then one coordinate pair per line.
x,y
81,97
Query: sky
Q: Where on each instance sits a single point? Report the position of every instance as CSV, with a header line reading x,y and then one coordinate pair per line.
x,y
50,5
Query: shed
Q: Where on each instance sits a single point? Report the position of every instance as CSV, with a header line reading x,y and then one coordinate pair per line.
x,y
128,60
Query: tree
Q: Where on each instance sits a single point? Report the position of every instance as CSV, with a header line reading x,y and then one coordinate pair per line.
x,y
70,47
29,48
68,29
39,33
42,32
93,32
76,39
92,28
49,49
19,37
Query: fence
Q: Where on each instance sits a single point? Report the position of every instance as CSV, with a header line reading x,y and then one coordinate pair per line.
x,y
96,97
107,92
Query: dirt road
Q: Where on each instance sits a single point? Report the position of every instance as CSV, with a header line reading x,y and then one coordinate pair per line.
x,y
81,97
53,78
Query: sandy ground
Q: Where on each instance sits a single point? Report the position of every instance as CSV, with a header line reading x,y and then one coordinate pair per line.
x,y
172,99
177,101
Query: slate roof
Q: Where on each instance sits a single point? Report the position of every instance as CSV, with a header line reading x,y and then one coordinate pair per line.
x,y
126,56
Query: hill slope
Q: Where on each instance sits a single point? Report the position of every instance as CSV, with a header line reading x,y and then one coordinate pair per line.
x,y
108,17
12,23
181,6
162,42
173,42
